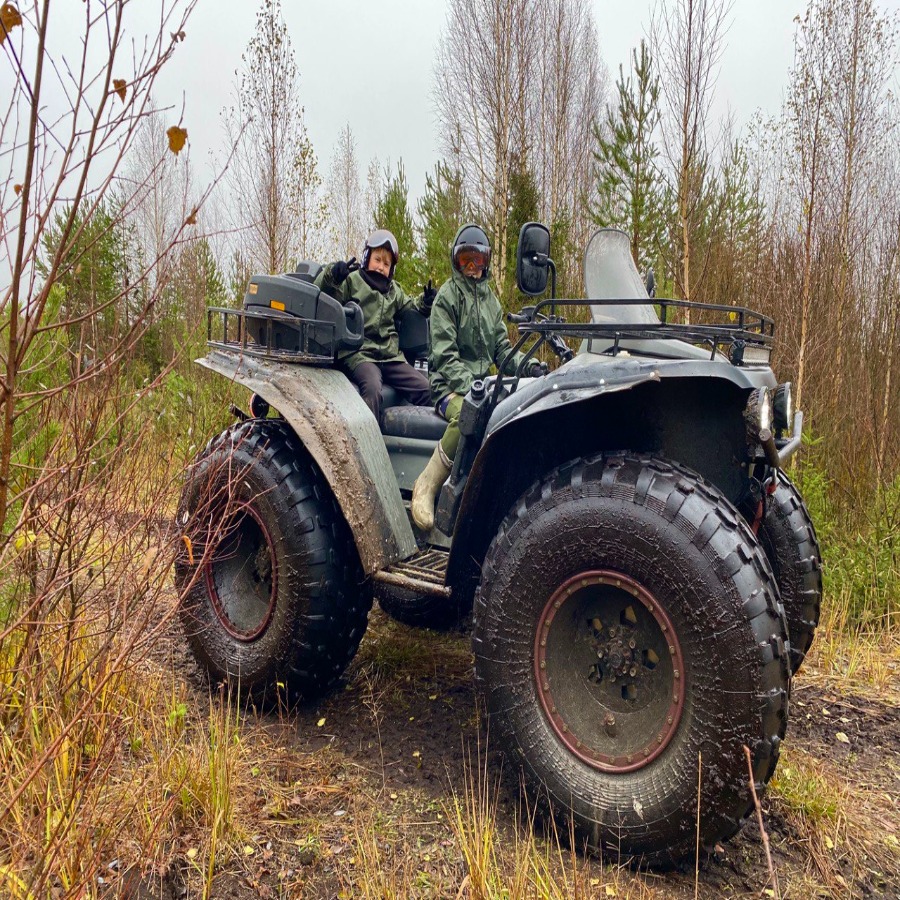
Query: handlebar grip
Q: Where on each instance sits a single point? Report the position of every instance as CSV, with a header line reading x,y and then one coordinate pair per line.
x,y
516,318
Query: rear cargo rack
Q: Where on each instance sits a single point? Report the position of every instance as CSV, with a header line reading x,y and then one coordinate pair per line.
x,y
277,337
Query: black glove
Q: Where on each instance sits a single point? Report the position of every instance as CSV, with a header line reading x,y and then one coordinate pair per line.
x,y
536,369
428,295
340,271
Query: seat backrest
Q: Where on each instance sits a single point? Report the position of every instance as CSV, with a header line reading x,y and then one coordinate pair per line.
x,y
414,331
307,270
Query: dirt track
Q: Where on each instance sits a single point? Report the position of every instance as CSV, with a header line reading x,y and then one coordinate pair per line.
x,y
370,774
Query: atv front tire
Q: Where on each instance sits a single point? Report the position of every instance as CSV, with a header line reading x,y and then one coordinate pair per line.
x,y
629,640
273,595
789,539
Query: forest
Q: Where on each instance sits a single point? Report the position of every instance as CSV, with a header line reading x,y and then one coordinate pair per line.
x,y
121,771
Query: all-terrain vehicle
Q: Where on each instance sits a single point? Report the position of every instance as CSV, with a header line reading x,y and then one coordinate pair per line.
x,y
644,576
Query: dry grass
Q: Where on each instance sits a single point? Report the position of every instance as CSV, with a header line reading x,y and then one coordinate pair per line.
x,y
850,830
864,661
473,852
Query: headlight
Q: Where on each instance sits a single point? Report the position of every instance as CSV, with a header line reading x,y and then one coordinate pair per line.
x,y
783,406
758,412
757,356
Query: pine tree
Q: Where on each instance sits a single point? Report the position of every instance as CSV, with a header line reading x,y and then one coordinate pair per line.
x,y
392,212
629,184
91,276
524,205
442,209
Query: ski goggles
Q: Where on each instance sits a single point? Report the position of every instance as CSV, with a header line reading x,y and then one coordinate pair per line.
x,y
472,255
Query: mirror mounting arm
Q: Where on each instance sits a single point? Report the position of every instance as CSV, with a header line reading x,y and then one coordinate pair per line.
x,y
544,261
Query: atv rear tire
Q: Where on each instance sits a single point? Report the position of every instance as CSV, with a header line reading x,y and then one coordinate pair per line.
x,y
628,634
274,598
789,539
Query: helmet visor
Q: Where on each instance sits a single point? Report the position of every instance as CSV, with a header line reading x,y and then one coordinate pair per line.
x,y
472,255
382,238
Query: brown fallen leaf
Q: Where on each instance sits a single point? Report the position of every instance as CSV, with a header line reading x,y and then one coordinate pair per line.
x,y
119,86
10,18
177,138
18,189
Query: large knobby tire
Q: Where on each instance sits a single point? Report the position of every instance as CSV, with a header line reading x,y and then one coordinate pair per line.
x,y
413,609
628,636
273,595
789,539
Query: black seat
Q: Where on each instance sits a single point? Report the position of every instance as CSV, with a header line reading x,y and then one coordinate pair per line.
x,y
412,421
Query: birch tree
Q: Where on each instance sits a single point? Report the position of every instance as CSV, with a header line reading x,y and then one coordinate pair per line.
x,y
266,126
483,88
345,197
565,102
688,39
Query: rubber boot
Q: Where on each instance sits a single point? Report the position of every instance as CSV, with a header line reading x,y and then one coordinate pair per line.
x,y
426,488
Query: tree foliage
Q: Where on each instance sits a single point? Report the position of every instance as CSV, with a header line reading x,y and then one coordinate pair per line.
x,y
392,212
629,184
442,209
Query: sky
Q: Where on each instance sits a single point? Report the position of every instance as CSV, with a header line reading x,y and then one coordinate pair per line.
x,y
372,64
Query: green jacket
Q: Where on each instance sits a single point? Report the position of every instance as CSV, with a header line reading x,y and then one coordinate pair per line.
x,y
381,343
468,336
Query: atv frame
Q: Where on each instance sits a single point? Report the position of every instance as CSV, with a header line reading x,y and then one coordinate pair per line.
x,y
634,553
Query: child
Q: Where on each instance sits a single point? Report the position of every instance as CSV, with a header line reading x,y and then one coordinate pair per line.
x,y
379,360
468,336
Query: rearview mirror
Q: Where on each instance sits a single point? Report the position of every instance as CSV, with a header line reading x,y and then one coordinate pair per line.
x,y
533,259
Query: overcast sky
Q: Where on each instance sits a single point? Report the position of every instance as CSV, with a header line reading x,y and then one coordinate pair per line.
x,y
349,53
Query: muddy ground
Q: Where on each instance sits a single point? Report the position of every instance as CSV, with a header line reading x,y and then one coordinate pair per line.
x,y
366,780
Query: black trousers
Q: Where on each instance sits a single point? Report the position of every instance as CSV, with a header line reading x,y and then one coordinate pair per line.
x,y
410,383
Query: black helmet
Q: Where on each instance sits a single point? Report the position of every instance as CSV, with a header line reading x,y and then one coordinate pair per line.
x,y
380,238
471,245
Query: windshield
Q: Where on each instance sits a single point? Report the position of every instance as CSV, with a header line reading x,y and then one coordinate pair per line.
x,y
610,273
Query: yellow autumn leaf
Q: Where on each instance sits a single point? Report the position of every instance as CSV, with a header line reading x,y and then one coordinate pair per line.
x,y
9,19
119,85
321,722
842,737
25,539
248,850
192,853
610,891
177,138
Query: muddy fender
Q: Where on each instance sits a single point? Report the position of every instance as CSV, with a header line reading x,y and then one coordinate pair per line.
x,y
341,435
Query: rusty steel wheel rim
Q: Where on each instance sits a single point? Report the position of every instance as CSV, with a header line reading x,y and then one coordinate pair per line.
x,y
242,577
609,671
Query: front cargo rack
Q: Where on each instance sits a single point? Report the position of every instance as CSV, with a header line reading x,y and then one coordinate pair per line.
x,y
745,327
280,338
